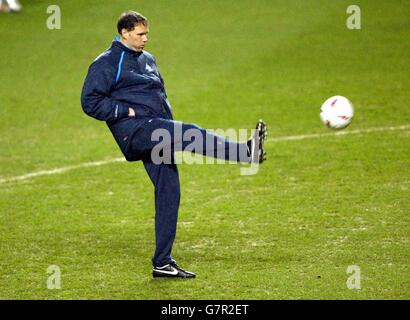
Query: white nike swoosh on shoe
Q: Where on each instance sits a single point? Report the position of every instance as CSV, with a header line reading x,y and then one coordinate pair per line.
x,y
174,272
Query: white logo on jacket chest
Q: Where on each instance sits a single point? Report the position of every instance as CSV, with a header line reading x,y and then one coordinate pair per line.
x,y
148,68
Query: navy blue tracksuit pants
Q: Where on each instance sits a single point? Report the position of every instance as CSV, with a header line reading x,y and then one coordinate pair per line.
x,y
165,178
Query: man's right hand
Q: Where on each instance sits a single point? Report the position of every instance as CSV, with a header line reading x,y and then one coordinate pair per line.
x,y
131,112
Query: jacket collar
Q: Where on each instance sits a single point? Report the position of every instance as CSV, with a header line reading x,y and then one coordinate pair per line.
x,y
117,43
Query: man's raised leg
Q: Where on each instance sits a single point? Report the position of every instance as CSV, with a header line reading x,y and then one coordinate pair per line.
x,y
163,137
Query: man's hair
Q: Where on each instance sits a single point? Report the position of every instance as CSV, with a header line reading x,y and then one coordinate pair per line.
x,y
128,20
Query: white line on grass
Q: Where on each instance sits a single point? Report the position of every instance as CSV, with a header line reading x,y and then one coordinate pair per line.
x,y
60,170
276,139
338,133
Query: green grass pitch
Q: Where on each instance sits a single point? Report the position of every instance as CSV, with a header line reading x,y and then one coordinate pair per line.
x,y
320,204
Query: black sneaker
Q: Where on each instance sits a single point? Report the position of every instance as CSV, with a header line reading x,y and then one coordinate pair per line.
x,y
171,270
255,144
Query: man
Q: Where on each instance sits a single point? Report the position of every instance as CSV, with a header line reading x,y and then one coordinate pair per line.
x,y
124,88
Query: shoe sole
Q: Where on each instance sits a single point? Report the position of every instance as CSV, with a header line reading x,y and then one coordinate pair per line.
x,y
262,135
155,275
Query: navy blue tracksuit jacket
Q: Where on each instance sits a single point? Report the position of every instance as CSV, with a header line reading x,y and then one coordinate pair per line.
x,y
121,78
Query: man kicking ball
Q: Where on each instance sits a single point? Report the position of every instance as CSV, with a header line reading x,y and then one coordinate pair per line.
x,y
124,88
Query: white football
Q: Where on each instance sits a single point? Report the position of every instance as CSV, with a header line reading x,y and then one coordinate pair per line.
x,y
337,112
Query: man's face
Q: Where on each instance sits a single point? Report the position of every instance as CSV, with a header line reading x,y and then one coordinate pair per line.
x,y
136,39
